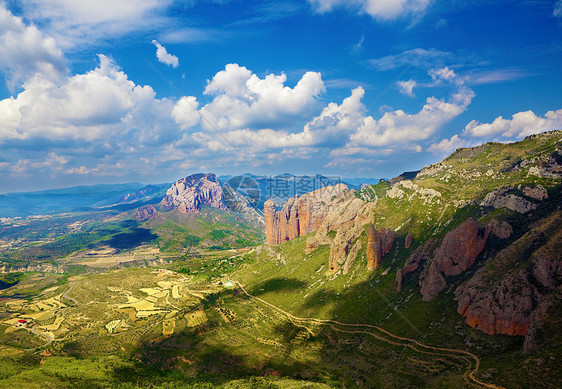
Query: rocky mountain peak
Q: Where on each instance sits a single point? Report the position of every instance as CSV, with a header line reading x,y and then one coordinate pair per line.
x,y
190,193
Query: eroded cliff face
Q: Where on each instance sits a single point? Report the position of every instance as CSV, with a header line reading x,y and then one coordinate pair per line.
x,y
190,193
452,256
517,302
300,215
457,252
378,244
347,217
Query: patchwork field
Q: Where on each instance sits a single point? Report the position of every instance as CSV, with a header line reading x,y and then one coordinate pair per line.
x,y
148,321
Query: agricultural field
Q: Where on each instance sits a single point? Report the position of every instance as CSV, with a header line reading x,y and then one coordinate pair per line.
x,y
158,325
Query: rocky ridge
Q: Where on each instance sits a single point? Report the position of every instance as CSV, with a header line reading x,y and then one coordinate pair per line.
x,y
299,215
457,212
512,304
347,217
190,193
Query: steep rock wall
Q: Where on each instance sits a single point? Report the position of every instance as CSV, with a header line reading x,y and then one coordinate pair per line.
x,y
378,244
300,215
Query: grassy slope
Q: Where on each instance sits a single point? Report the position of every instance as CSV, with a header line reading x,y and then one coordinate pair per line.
x,y
295,281
227,353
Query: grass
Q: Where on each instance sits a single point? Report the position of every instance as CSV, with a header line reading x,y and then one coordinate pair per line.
x,y
223,338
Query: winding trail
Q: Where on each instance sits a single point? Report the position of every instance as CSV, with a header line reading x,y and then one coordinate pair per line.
x,y
65,294
467,356
49,338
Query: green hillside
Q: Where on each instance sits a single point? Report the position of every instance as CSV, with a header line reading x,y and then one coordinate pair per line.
x,y
200,304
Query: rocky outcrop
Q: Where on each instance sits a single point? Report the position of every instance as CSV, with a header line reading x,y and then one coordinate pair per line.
x,y
408,241
378,244
413,262
350,260
537,193
190,193
505,310
510,296
407,189
500,229
347,216
145,213
500,199
546,166
457,252
452,256
300,215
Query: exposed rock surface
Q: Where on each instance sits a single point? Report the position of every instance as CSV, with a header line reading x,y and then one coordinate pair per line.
x,y
537,193
146,212
451,256
397,192
421,254
457,252
350,260
510,296
409,240
347,216
545,166
500,229
378,244
506,310
499,199
190,193
300,215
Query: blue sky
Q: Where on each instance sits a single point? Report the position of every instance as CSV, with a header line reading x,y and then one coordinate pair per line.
x,y
113,91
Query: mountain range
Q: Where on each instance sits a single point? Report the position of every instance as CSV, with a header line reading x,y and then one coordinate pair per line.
x,y
455,268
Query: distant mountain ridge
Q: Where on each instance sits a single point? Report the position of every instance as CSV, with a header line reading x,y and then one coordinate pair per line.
x,y
24,204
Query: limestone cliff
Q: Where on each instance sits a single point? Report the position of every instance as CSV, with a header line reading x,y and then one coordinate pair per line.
x,y
511,294
347,217
500,199
190,193
300,215
378,244
453,255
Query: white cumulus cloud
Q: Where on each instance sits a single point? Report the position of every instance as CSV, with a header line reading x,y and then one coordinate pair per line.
x,y
407,87
185,112
520,125
380,9
399,126
24,51
85,106
446,146
242,100
74,22
165,57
